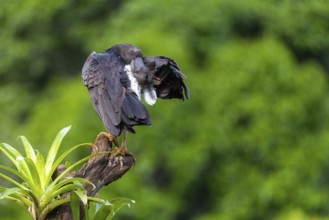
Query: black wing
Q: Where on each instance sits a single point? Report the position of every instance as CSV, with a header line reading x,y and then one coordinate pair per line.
x,y
170,79
108,85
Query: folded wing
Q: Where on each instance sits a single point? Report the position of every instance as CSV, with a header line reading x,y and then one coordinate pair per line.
x,y
108,85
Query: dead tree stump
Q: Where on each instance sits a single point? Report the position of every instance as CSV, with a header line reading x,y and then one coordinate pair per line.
x,y
100,170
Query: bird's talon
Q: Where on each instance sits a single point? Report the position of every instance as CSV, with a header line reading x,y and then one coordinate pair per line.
x,y
119,151
110,137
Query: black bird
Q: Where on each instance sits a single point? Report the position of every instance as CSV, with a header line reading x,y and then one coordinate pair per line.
x,y
118,77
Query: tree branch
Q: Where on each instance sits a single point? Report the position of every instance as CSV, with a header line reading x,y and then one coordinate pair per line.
x,y
100,170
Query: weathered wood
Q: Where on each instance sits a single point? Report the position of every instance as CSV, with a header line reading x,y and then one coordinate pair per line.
x,y
100,170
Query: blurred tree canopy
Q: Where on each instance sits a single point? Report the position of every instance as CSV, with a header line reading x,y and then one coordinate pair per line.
x,y
253,141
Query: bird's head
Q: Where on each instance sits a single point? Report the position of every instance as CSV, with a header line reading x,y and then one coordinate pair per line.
x,y
128,52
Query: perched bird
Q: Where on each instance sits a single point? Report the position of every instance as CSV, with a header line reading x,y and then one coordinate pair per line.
x,y
116,80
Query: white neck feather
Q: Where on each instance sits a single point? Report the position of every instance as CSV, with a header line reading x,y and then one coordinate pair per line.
x,y
133,82
149,92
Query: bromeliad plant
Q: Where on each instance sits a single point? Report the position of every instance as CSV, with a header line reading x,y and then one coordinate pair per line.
x,y
40,194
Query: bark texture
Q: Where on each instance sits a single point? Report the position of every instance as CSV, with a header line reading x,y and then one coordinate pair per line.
x,y
100,170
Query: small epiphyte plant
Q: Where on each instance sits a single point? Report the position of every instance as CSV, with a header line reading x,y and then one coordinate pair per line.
x,y
35,190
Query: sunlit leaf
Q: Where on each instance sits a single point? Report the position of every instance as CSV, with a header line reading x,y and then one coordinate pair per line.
x,y
72,183
16,158
75,205
8,192
94,205
82,196
108,208
35,182
51,206
40,165
24,169
10,152
104,212
18,196
75,180
98,200
28,149
49,196
87,215
13,171
61,158
54,149
68,163
38,193
13,181
77,164
3,189
119,202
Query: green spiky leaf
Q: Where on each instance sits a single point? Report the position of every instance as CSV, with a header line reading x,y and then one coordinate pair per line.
x,y
29,151
38,193
54,149
75,205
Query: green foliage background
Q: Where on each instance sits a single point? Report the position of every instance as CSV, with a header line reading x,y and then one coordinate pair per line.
x,y
251,143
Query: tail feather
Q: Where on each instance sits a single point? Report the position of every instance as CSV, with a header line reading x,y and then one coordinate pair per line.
x,y
134,112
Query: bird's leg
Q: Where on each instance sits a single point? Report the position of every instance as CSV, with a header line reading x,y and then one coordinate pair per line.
x,y
124,139
123,149
111,138
115,141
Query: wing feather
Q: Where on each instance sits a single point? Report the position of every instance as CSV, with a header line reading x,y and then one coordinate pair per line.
x,y
108,84
134,112
171,83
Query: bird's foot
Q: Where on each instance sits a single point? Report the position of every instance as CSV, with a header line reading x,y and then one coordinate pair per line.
x,y
111,138
119,151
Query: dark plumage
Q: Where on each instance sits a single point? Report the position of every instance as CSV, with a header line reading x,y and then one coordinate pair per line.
x,y
171,83
116,79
